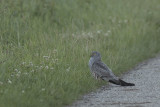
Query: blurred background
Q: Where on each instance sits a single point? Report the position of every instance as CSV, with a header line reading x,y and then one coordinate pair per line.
x,y
45,46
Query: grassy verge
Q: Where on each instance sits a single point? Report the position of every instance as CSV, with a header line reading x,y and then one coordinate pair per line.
x,y
45,46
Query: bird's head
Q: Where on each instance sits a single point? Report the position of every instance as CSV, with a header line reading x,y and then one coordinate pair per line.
x,y
96,55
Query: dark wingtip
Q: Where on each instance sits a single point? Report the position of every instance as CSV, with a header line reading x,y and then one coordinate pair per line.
x,y
130,84
123,83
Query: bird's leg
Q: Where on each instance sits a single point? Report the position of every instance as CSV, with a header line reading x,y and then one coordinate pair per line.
x,y
96,76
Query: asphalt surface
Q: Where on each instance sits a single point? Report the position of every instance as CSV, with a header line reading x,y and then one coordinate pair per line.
x,y
145,93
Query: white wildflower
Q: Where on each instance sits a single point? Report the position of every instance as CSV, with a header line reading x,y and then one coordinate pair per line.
x,y
40,67
32,71
98,31
68,69
125,21
109,31
91,36
89,33
1,83
18,75
9,81
23,63
43,89
106,34
25,73
56,59
119,21
51,68
30,63
73,35
12,75
46,67
16,70
23,91
19,72
46,57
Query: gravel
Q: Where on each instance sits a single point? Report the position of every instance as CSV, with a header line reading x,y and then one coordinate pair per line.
x,y
146,93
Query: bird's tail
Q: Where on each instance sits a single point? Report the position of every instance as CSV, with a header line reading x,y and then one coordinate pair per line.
x,y
121,82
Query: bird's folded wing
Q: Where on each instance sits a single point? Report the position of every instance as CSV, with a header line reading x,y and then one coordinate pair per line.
x,y
102,70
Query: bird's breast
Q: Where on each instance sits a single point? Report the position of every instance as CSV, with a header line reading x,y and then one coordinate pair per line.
x,y
91,61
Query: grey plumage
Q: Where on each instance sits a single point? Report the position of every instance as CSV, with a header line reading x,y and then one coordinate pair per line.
x,y
102,71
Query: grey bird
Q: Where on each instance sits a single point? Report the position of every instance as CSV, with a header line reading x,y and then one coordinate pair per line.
x,y
101,70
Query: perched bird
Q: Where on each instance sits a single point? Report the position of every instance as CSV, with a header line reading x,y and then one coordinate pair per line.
x,y
101,70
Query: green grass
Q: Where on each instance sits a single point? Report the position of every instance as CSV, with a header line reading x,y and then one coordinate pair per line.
x,y
45,46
